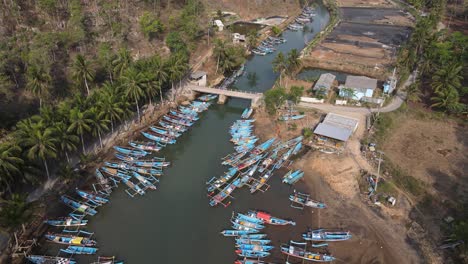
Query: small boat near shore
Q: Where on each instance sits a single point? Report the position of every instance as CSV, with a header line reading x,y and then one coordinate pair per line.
x,y
269,219
326,235
252,241
39,259
235,232
296,251
72,221
156,138
301,200
252,253
81,207
95,199
71,239
79,250
131,151
292,176
147,146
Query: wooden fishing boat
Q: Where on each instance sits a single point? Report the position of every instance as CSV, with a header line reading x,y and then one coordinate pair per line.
x,y
95,199
133,187
165,132
252,159
172,127
39,259
241,227
258,184
162,139
81,207
293,176
103,181
303,200
247,113
249,218
249,261
147,182
147,146
235,232
326,235
125,158
70,239
253,236
269,219
240,241
252,254
268,161
255,247
79,250
215,184
177,121
262,147
297,148
107,260
131,151
185,116
72,220
207,97
301,253
258,52
152,163
121,174
246,223
223,194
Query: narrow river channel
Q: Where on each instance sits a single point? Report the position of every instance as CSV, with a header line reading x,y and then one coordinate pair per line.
x,y
175,224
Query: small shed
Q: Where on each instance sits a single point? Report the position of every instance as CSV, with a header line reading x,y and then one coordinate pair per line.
x,y
360,85
219,24
237,38
198,78
324,83
333,132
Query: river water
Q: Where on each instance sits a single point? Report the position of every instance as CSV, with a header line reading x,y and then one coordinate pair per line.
x,y
175,224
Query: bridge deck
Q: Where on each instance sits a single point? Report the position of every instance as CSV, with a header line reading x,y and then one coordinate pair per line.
x,y
230,93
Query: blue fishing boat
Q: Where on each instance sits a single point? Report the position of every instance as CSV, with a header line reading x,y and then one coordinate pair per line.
x,y
247,113
269,219
253,236
290,117
38,259
103,182
235,232
125,158
107,260
255,247
252,159
147,171
67,221
207,97
80,250
223,194
249,261
162,139
249,218
247,224
121,174
326,235
293,176
131,151
70,239
152,163
177,121
147,146
168,133
135,188
81,207
300,200
242,227
186,116
222,180
260,183
147,182
252,254
172,127
240,241
95,199
297,148
262,147
268,161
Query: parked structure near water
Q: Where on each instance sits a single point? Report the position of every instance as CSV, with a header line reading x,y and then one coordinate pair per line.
x,y
324,83
255,98
361,86
198,78
333,132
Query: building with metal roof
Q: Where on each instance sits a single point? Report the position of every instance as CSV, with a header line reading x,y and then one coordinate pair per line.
x,y
341,121
325,82
333,132
360,85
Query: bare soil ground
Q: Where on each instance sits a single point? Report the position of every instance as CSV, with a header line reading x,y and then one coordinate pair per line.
x,y
433,151
388,16
248,9
366,3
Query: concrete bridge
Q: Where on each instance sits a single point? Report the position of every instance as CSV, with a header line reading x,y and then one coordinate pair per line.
x,y
224,94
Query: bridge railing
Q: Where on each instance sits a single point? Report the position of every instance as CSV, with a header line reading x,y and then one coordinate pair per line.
x,y
230,90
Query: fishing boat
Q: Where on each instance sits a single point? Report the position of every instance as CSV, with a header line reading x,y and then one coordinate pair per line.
x,y
253,236
290,117
297,148
125,158
146,171
103,181
173,127
247,113
152,163
70,240
302,200
249,218
131,151
269,219
147,146
133,187
252,159
262,147
241,227
259,52
81,207
177,121
252,254
293,176
147,182
255,247
95,199
121,174
72,220
223,194
207,97
222,180
246,223
240,241
38,259
326,235
301,253
162,139
249,261
107,260
168,133
186,116
79,250
268,161
258,185
229,233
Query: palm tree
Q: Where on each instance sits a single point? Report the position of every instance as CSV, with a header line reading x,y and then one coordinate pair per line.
x,y
99,124
122,61
176,69
82,71
446,100
219,51
280,64
38,82
80,123
134,84
159,71
293,61
110,104
10,163
413,92
41,144
67,141
449,77
16,211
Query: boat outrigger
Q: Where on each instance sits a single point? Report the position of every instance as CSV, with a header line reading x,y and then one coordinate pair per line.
x,y
301,200
326,235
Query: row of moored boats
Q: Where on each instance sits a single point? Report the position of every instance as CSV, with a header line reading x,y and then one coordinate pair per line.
x,y
305,17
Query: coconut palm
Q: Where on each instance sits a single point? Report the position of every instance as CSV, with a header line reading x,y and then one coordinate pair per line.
x,y
160,72
41,144
99,123
280,64
449,77
15,211
110,104
133,85
80,122
219,51
448,100
10,163
293,61
38,82
122,61
176,68
82,71
67,141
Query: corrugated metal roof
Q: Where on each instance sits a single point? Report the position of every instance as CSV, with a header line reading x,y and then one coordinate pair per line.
x,y
342,121
332,131
360,82
325,81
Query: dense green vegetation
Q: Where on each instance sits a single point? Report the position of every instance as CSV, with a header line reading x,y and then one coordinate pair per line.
x,y
441,59
228,56
286,64
276,97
